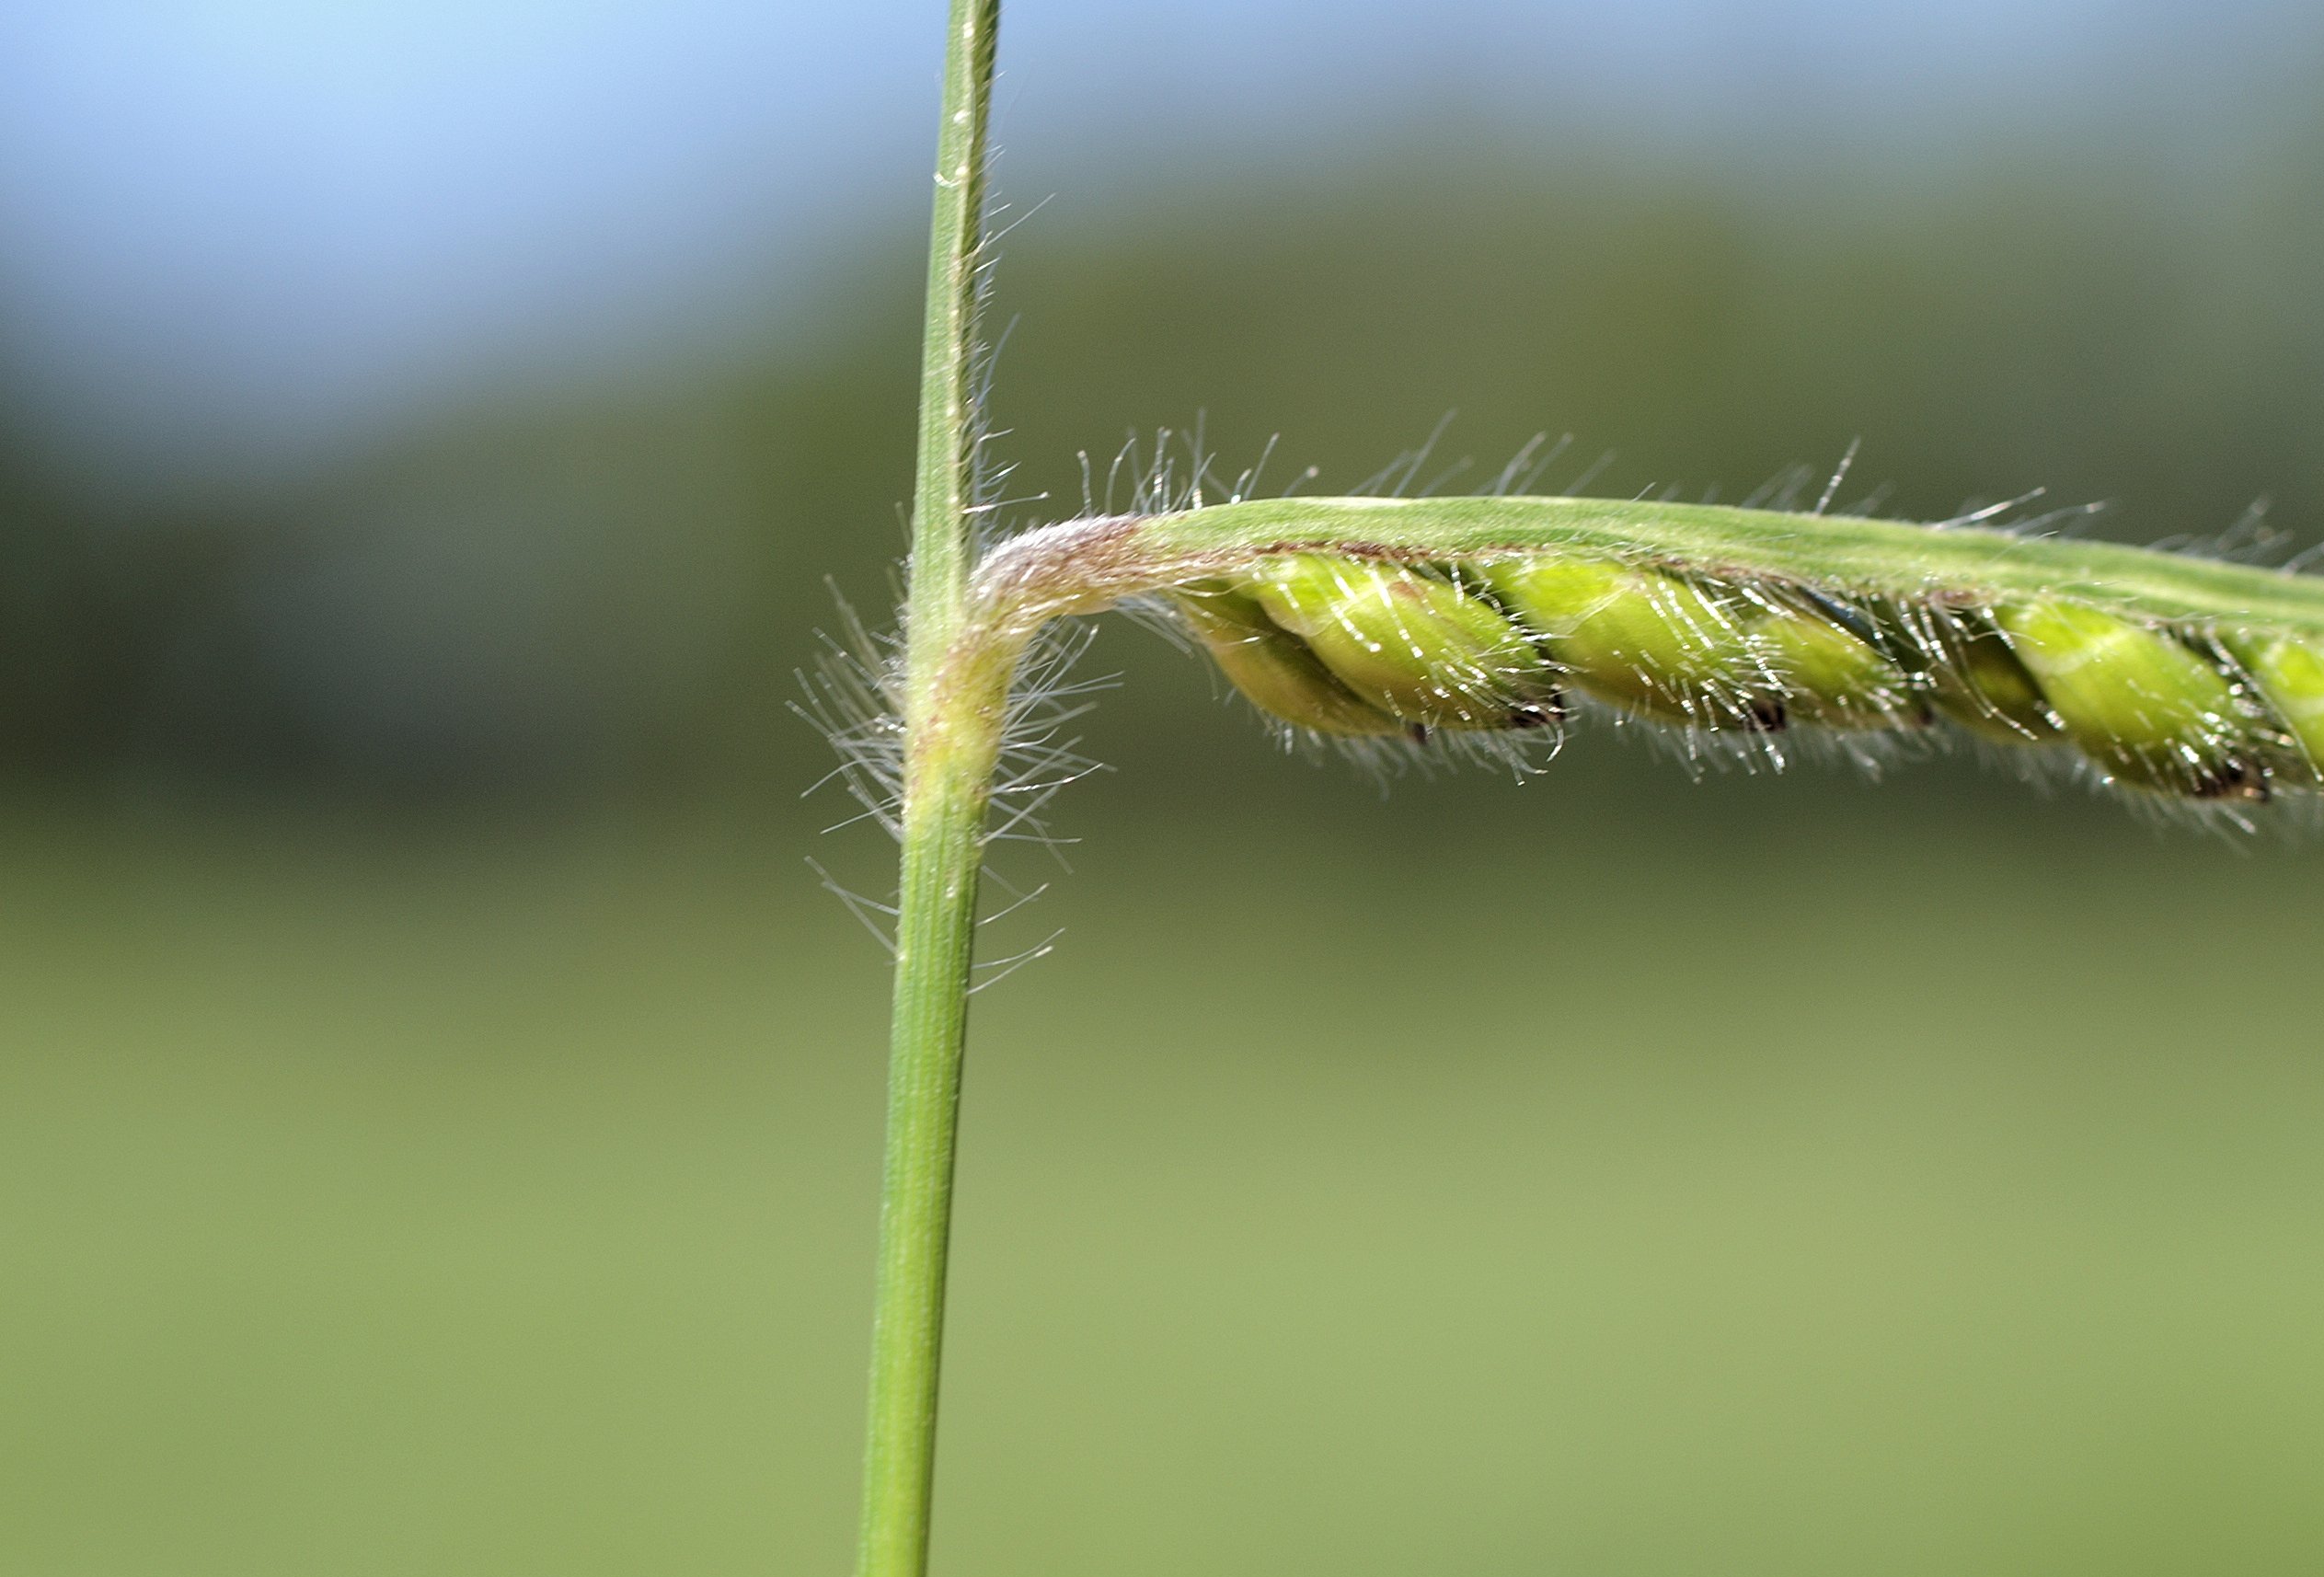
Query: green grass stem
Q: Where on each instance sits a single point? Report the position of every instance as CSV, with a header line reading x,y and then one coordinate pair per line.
x,y
950,740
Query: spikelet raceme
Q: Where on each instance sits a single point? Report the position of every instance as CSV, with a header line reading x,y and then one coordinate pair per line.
x,y
2172,677
1347,647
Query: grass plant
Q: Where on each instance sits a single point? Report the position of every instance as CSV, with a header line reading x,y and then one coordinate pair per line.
x,y
1483,623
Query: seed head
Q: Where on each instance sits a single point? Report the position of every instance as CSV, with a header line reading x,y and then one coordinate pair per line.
x,y
2144,705
1410,643
2290,678
1649,642
1976,679
1274,670
1833,676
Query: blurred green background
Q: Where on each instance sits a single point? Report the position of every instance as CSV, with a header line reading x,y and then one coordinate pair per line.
x,y
440,1112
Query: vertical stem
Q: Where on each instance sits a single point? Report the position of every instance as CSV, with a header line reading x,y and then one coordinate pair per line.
x,y
940,494
937,924
951,738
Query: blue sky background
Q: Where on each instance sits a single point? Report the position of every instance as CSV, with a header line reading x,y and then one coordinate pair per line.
x,y
234,232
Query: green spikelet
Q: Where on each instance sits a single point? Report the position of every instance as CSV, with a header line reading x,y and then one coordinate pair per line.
x,y
1649,642
1408,643
1833,676
1273,669
2141,704
1976,681
2290,675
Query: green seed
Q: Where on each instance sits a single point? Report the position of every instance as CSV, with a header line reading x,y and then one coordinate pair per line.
x,y
1976,681
1646,642
2290,675
1407,643
1833,676
2148,709
1272,669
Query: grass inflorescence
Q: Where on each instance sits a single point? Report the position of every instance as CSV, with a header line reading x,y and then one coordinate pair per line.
x,y
1412,622
1488,623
